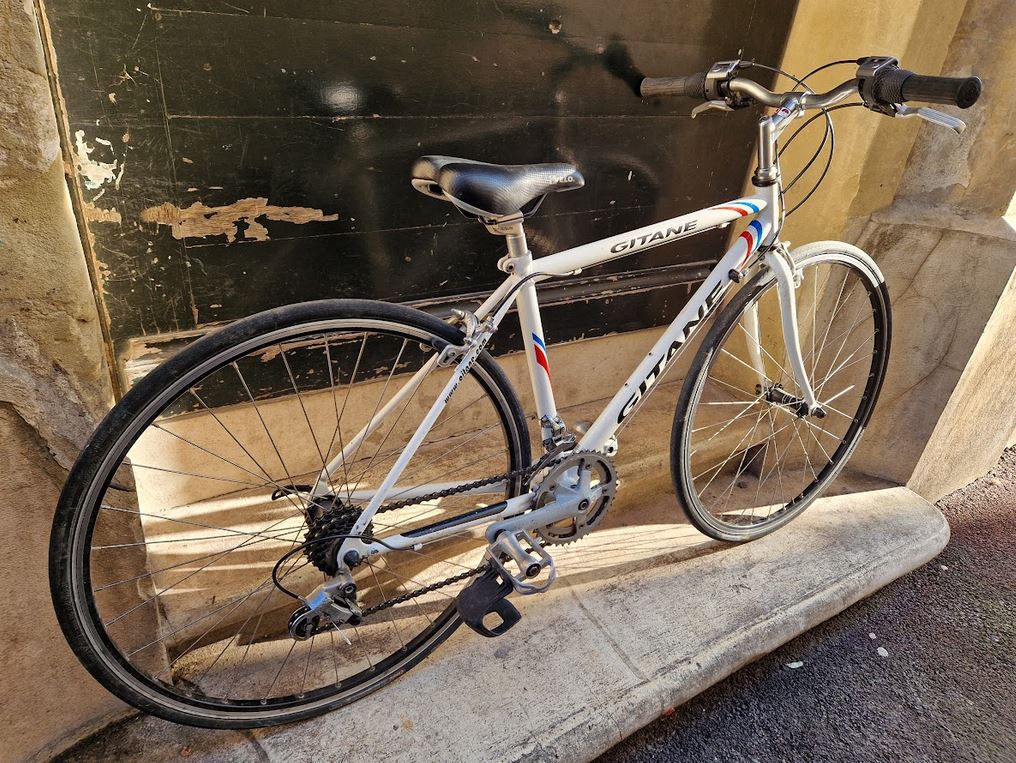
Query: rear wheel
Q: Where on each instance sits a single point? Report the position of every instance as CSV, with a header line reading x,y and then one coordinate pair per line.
x,y
744,459
198,483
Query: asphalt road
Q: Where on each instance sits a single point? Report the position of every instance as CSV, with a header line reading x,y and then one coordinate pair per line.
x,y
943,689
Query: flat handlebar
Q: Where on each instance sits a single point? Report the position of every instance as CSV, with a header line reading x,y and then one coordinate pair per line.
x,y
889,85
767,97
693,86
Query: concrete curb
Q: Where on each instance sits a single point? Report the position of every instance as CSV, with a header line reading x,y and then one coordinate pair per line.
x,y
769,632
647,613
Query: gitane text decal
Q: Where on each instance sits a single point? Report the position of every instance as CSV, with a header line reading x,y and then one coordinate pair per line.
x,y
652,239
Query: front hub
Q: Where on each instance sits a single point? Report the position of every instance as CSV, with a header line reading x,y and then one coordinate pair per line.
x,y
777,395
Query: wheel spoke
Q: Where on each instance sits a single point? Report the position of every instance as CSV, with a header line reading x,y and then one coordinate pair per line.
x,y
257,412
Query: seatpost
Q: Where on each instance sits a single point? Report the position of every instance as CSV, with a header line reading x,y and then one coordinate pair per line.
x,y
516,240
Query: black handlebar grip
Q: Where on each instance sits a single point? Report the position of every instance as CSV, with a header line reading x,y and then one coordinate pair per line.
x,y
958,91
900,86
693,86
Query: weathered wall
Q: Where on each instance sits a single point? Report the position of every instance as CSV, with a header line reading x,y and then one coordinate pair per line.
x,y
949,404
929,206
53,386
871,151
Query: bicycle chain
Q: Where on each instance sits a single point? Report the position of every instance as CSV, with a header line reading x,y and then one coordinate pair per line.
x,y
425,590
527,473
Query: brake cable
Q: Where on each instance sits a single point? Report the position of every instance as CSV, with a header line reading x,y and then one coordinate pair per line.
x,y
829,135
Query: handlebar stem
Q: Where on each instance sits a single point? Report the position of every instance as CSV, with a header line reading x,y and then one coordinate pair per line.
x,y
789,106
769,130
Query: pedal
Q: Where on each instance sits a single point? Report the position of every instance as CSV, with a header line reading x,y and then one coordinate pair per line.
x,y
487,593
485,596
529,557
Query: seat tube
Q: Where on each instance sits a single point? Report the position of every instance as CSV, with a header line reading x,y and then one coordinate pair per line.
x,y
537,358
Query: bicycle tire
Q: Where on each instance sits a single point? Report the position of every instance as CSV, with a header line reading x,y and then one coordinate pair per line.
x,y
112,439
684,478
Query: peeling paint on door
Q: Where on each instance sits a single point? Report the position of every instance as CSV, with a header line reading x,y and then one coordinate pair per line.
x,y
204,82
94,214
198,220
95,173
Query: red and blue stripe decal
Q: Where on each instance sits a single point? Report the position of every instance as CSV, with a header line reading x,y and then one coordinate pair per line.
x,y
540,350
752,236
743,208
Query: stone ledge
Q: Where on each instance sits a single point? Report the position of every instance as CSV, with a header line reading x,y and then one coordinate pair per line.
x,y
646,614
945,217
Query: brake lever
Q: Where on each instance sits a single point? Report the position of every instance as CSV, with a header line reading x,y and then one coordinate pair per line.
x,y
709,105
930,115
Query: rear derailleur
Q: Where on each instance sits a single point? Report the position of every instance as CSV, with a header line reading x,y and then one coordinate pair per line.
x,y
330,605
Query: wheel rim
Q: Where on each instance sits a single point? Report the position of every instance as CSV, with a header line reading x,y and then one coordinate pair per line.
x,y
196,653
749,463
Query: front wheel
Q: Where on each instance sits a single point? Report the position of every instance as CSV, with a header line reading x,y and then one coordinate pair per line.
x,y
187,528
745,461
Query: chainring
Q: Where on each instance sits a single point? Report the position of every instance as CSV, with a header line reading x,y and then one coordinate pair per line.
x,y
568,472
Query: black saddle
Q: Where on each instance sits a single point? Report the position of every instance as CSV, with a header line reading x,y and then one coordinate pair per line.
x,y
492,190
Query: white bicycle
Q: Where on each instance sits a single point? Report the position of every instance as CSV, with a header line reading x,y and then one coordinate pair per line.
x,y
299,507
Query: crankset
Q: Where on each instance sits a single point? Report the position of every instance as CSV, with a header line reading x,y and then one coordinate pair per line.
x,y
572,498
589,478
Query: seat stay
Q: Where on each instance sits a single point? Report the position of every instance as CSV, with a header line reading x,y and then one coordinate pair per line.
x,y
459,371
331,469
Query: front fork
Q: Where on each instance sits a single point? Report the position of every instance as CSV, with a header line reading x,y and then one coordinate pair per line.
x,y
785,273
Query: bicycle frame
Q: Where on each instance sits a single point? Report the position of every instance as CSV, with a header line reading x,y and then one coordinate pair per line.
x,y
519,288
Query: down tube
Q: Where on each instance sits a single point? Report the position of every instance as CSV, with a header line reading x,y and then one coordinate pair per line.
x,y
667,347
